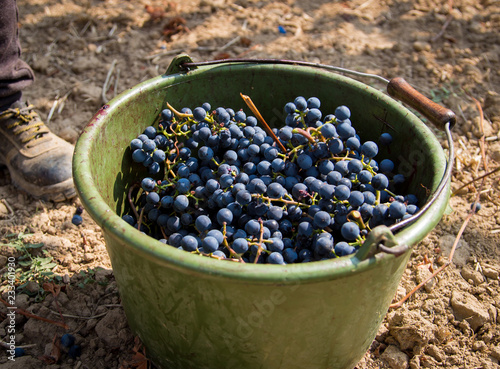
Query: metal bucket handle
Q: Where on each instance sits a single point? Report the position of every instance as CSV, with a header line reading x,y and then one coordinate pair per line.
x,y
380,239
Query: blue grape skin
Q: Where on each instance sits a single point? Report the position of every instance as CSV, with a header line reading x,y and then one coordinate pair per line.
x,y
68,340
205,153
281,220
251,121
252,228
174,223
224,215
148,145
199,114
397,210
350,231
77,219
183,185
412,209
353,143
312,116
342,167
342,192
290,256
342,112
74,351
305,229
19,352
356,199
304,161
343,249
153,198
355,166
336,146
364,176
139,156
189,243
150,131
386,166
203,223
181,203
345,131
276,244
322,219
210,244
275,258
135,144
380,182
369,149
385,139
240,245
148,184
300,103
129,219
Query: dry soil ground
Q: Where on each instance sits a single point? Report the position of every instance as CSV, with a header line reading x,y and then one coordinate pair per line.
x,y
449,50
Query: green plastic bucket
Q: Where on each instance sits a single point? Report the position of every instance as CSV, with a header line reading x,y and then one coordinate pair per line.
x,y
197,312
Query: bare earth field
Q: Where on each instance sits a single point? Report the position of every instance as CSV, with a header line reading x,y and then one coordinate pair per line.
x,y
84,52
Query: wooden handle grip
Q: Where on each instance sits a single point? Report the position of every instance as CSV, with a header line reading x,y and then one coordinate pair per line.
x,y
437,114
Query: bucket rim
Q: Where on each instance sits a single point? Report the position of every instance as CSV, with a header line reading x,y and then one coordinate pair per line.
x,y
114,227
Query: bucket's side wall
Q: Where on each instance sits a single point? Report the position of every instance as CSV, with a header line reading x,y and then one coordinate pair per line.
x,y
180,310
187,321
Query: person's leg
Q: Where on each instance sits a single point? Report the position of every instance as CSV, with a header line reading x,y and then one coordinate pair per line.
x,y
15,74
39,162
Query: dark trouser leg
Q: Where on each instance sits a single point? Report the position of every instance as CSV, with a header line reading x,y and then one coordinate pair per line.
x,y
15,74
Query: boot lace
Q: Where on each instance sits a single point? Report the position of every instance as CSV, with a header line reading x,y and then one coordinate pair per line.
x,y
25,124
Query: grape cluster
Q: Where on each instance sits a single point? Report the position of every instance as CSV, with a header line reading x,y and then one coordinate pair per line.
x,y
229,189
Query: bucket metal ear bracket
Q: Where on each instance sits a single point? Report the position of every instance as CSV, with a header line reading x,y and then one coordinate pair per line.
x,y
176,65
380,239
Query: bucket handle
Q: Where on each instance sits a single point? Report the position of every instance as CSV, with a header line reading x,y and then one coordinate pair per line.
x,y
443,118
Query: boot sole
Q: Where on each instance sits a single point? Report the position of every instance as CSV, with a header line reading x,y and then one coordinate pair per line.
x,y
56,193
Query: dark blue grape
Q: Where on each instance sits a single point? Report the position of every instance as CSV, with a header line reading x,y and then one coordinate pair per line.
x,y
397,209
322,219
68,340
275,258
224,216
240,245
386,166
342,112
380,182
343,248
203,223
385,139
148,184
210,244
350,231
300,103
189,243
181,202
139,156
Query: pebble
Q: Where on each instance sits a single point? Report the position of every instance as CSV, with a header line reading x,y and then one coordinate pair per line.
x,y
472,275
436,353
495,352
467,307
490,273
421,46
396,358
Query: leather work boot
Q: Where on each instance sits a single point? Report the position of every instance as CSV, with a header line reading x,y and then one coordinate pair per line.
x,y
39,162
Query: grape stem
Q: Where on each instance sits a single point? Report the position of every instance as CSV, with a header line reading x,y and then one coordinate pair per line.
x,y
226,245
178,113
131,202
268,129
261,237
305,134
